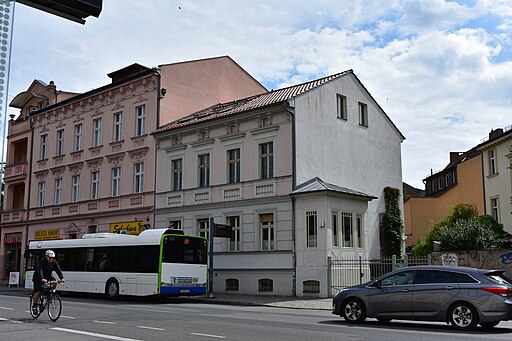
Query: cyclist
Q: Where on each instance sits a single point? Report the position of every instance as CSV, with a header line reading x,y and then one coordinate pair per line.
x,y
43,274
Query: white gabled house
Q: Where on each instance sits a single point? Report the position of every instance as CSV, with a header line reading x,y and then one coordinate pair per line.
x,y
298,172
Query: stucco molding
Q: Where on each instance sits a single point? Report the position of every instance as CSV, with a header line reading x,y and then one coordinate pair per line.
x,y
95,163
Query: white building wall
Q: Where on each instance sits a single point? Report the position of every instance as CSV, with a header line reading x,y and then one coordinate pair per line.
x,y
342,152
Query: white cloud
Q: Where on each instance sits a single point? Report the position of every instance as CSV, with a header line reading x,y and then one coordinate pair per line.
x,y
442,70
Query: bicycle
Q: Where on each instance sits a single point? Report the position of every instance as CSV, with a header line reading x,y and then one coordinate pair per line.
x,y
49,300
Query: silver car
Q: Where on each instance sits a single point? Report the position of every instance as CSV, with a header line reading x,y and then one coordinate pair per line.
x,y
464,297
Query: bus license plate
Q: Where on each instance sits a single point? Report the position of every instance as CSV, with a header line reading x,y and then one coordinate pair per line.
x,y
184,291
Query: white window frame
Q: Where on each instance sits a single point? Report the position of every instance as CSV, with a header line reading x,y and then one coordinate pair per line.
x,y
41,187
138,179
117,133
233,244
363,114
203,170
359,231
341,107
203,227
60,142
495,208
267,232
78,138
493,165
58,191
233,165
116,181
140,123
75,188
335,216
95,185
96,132
311,224
43,153
177,174
348,238
266,160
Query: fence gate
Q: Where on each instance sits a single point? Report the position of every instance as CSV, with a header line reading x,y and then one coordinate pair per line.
x,y
353,271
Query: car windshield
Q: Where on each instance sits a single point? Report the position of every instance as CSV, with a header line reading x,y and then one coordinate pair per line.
x,y
499,277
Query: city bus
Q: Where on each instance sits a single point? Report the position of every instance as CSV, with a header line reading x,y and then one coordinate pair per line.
x,y
155,262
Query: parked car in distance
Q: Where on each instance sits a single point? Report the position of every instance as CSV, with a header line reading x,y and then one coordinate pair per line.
x,y
464,297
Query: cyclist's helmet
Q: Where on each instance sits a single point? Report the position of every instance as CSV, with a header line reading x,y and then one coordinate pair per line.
x,y
50,253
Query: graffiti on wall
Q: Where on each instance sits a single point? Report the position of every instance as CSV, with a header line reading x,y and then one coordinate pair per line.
x,y
450,259
506,258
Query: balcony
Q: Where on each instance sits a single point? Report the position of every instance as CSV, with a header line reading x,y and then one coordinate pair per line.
x,y
16,171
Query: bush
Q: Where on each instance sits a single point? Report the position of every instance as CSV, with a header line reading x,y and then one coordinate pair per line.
x,y
471,234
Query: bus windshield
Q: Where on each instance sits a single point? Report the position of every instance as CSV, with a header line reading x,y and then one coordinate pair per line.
x,y
184,249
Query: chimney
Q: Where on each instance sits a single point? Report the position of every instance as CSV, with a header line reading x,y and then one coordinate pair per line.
x,y
495,133
454,157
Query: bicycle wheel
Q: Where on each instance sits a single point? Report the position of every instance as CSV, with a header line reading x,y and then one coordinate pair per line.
x,y
54,305
34,312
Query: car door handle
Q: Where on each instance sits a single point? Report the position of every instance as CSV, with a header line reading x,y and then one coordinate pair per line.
x,y
405,290
450,287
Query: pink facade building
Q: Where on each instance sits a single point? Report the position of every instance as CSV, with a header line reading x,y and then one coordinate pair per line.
x,y
85,163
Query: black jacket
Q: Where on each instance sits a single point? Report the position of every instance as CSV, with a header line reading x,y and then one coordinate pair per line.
x,y
45,269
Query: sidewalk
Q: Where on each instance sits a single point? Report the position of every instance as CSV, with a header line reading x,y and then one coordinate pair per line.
x,y
269,301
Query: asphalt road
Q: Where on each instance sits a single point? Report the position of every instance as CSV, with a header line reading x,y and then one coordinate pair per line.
x,y
91,318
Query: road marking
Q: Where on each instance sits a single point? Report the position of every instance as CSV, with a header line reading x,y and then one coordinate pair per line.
x,y
151,328
5,308
9,320
68,317
209,335
104,336
104,322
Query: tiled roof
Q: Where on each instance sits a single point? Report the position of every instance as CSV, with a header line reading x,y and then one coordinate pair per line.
x,y
317,185
249,103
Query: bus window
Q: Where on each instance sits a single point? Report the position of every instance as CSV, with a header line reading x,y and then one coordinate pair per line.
x,y
184,249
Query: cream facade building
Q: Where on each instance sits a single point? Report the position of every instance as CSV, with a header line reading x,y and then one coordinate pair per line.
x,y
298,173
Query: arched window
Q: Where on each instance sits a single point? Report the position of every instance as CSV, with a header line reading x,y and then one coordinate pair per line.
x,y
311,287
265,284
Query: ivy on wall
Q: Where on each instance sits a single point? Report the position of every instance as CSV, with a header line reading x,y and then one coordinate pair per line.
x,y
392,226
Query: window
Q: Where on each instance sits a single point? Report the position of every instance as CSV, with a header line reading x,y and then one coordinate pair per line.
x,y
266,160
78,137
75,192
341,106
265,284
434,276
401,278
58,191
43,153
204,170
311,287
203,227
177,174
95,185
231,284
118,126
60,142
40,196
447,179
359,231
138,186
363,114
141,120
311,229
267,231
92,228
346,221
335,230
440,182
96,132
492,162
234,241
234,165
175,225
116,181
495,209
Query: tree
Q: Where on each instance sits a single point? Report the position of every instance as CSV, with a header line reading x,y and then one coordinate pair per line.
x,y
393,228
462,229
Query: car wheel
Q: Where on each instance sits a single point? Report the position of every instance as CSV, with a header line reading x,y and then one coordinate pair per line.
x,y
489,325
463,315
353,310
112,289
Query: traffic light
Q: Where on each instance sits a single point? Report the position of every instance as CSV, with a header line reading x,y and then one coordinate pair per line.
x,y
75,10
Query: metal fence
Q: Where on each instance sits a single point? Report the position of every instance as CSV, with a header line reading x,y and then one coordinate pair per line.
x,y
353,271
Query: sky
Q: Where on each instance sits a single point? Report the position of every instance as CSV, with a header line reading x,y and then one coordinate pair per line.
x,y
441,70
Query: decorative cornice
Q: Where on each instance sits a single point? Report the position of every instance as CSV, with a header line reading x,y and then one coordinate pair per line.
x,y
75,168
58,171
115,159
138,154
94,163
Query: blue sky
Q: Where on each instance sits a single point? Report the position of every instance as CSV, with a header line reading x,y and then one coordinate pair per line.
x,y
442,70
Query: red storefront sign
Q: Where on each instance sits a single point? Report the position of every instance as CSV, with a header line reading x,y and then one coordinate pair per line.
x,y
12,238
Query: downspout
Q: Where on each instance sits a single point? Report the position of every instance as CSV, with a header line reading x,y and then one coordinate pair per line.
x,y
29,184
483,180
291,111
156,142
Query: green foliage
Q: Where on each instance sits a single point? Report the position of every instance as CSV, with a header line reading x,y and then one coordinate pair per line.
x,y
471,234
461,229
393,227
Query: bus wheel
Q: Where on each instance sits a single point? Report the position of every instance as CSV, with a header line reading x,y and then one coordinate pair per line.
x,y
112,289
